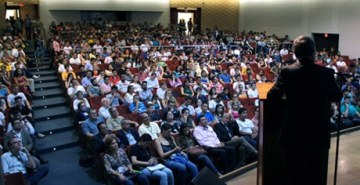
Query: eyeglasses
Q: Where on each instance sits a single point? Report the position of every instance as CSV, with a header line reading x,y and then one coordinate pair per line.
x,y
15,142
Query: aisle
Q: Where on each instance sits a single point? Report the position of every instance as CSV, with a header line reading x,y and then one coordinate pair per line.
x,y
348,167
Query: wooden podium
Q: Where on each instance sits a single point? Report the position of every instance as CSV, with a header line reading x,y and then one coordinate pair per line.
x,y
271,162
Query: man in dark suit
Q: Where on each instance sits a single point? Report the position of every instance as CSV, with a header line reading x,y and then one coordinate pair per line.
x,y
309,90
224,132
127,135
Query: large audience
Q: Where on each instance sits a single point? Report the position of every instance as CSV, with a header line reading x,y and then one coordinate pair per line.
x,y
155,104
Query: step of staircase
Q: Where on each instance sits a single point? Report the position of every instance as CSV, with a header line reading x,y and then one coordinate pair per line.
x,y
47,85
45,73
39,68
51,113
47,93
48,102
57,141
43,79
54,125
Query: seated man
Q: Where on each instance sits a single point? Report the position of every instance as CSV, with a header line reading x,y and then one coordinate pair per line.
x,y
98,139
137,106
104,109
114,122
207,138
152,81
351,115
25,138
89,126
207,114
18,159
115,97
187,104
127,135
14,93
216,101
225,78
151,128
246,127
225,134
19,107
80,98
145,94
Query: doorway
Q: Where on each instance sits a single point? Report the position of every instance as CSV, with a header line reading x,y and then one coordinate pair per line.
x,y
180,13
186,16
327,41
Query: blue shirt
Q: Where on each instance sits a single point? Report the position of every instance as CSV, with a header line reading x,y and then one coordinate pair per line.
x,y
145,95
86,82
225,78
141,108
13,164
209,117
90,126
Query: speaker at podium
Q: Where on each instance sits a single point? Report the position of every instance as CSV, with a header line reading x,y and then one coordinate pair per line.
x,y
271,162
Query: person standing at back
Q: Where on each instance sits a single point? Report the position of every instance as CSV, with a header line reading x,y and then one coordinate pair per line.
x,y
309,90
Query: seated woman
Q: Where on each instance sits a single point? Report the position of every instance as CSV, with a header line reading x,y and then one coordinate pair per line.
x,y
174,124
168,97
140,155
167,150
174,81
187,119
186,89
234,100
118,165
22,82
186,141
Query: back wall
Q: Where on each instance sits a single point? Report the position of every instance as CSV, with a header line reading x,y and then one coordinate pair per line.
x,y
303,17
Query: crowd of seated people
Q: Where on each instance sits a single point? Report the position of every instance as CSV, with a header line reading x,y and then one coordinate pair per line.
x,y
167,85
172,92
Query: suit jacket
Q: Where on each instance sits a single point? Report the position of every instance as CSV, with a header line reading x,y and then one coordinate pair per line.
x,y
26,139
124,140
223,132
309,91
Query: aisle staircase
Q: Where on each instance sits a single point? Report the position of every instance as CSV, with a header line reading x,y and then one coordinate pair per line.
x,y
52,112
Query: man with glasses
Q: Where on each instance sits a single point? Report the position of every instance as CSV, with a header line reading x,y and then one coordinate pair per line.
x,y
127,135
207,114
18,159
148,127
114,122
89,127
137,106
224,132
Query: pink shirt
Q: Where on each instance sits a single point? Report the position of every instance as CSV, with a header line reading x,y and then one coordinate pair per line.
x,y
206,136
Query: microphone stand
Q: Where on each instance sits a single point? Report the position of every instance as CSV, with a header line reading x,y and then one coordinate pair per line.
x,y
340,77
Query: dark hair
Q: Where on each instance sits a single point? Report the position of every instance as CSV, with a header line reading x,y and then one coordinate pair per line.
x,y
183,110
98,125
114,87
241,110
182,128
165,126
17,98
304,49
145,137
199,117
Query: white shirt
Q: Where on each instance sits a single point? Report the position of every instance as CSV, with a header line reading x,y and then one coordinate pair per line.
x,y
62,69
340,64
108,60
76,61
284,52
153,129
160,93
122,86
104,112
253,93
67,49
212,104
98,48
245,126
152,83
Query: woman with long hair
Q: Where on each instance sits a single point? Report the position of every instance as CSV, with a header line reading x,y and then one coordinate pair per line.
x,y
142,157
118,165
176,160
187,119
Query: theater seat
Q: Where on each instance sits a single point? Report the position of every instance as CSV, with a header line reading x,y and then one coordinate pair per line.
x,y
14,179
